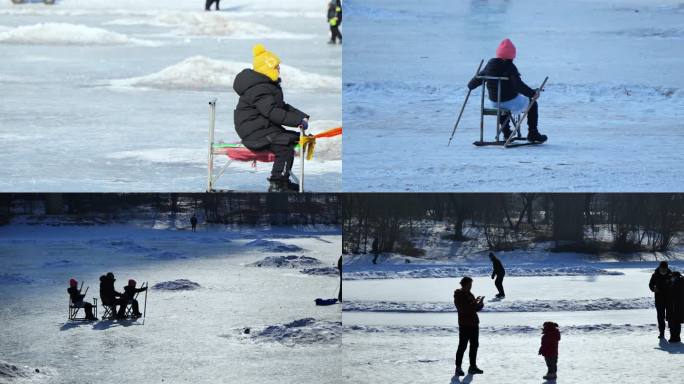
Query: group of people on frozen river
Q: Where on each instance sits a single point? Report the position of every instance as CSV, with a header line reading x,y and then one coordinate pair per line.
x,y
109,296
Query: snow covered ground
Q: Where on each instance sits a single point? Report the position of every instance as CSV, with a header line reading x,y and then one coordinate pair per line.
x,y
191,334
102,95
612,106
404,330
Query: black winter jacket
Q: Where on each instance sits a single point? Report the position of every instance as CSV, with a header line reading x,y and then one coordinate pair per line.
x,y
129,292
509,88
108,294
660,284
467,307
261,111
75,295
676,304
498,268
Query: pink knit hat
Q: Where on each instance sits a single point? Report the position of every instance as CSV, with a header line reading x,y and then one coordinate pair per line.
x,y
506,50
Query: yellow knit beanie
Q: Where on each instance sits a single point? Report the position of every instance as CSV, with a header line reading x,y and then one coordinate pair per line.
x,y
265,62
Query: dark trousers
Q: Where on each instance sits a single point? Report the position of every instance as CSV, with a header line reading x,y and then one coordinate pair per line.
x,y
335,33
661,311
499,284
533,116
675,330
194,227
210,2
551,363
282,166
467,335
123,305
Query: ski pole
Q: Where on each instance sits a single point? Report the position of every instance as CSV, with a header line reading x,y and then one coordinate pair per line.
x,y
527,110
464,104
301,160
145,306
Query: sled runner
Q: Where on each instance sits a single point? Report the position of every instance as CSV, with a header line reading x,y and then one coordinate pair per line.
x,y
237,152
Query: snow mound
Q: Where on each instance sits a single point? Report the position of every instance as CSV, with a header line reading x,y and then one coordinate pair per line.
x,y
291,261
14,278
210,24
203,73
503,306
273,246
11,371
410,271
321,271
66,34
177,285
616,329
328,149
302,331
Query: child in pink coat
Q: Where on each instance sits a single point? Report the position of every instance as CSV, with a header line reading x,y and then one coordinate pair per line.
x,y
549,348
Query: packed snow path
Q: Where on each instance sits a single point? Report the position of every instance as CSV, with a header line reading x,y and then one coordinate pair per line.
x,y
612,106
189,335
103,95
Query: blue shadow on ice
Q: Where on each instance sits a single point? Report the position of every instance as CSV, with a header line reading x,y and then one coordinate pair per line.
x,y
466,379
106,324
675,348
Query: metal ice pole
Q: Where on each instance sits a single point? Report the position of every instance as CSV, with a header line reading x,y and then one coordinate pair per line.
x,y
301,160
212,124
464,104
145,307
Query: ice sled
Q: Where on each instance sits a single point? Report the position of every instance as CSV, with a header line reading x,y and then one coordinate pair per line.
x,y
323,302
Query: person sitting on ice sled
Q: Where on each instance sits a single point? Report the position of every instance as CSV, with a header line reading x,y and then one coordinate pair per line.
x,y
128,297
77,300
108,294
515,94
549,348
262,112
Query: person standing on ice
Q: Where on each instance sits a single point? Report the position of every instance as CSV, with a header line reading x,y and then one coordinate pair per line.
x,y
261,114
499,272
660,286
467,306
193,222
675,313
549,348
339,267
108,294
128,297
335,19
208,4
77,300
515,94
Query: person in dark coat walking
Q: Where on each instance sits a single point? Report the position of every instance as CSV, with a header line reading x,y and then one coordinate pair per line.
x,y
335,19
467,306
77,299
128,297
515,94
675,314
208,4
193,223
499,272
339,267
262,112
108,294
660,285
549,348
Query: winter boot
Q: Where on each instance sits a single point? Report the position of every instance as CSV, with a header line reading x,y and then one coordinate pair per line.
x,y
533,135
550,376
661,335
474,370
459,372
292,187
506,128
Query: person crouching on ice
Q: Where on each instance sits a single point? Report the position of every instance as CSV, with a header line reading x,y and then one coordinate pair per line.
x,y
515,94
261,114
77,300
549,348
128,297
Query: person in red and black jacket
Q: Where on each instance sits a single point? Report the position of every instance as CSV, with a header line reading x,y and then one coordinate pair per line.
x,y
549,348
467,306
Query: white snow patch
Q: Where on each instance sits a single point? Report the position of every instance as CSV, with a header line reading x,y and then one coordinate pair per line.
x,y
177,285
203,73
605,328
67,34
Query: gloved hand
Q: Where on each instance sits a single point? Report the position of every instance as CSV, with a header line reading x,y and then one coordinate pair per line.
x,y
304,124
537,91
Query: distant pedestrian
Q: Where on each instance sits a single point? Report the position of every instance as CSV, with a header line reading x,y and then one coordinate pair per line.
x,y
549,348
339,267
193,222
208,4
335,19
499,272
660,285
467,306
675,314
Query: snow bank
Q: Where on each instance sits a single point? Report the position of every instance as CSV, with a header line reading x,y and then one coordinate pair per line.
x,y
176,285
210,24
321,271
410,271
291,261
66,34
203,73
616,329
328,148
10,371
302,331
503,306
273,246
14,279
